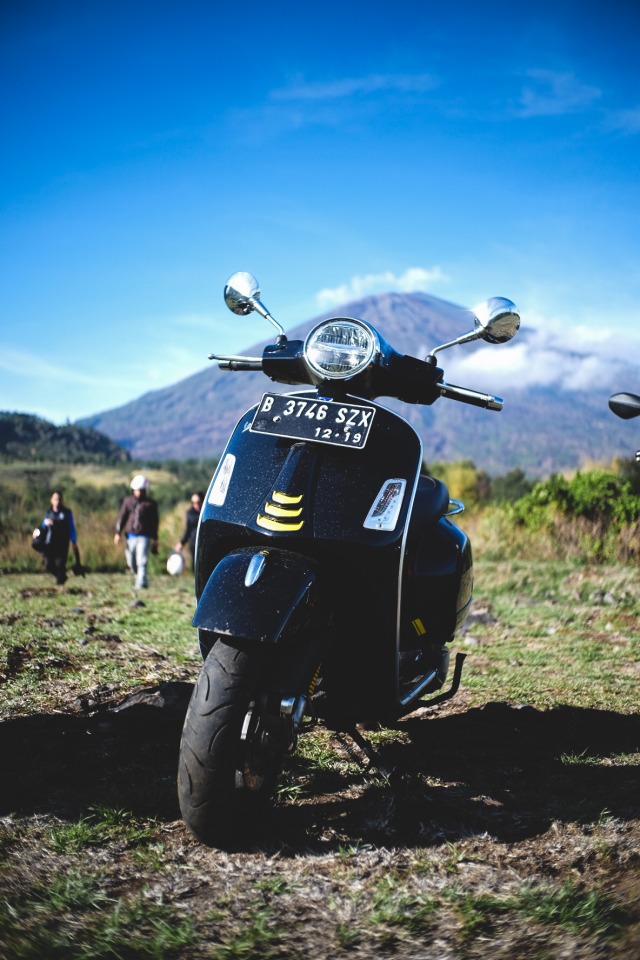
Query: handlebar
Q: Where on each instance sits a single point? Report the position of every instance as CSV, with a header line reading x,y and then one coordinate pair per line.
x,y
464,395
237,363
408,376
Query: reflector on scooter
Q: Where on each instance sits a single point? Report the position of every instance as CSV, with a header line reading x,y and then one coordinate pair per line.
x,y
279,526
221,481
386,507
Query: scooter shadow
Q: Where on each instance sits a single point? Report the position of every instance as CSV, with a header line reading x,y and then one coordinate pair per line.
x,y
68,764
496,770
504,771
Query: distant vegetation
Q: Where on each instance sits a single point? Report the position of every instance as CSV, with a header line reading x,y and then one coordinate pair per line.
x,y
25,437
592,516
596,510
94,493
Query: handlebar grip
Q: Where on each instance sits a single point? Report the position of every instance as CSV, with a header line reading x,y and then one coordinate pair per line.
x,y
240,364
473,397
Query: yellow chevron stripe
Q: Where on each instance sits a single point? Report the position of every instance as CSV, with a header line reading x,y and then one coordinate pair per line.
x,y
419,627
278,525
285,497
282,511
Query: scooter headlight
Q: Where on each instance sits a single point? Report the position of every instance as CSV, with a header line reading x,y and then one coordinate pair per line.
x,y
340,348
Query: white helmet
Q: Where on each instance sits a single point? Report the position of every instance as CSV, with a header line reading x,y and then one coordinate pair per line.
x,y
175,564
140,482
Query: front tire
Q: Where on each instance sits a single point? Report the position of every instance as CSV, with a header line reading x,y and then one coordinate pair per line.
x,y
223,775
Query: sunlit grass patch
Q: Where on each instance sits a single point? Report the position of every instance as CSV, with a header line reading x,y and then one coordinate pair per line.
x,y
258,935
479,912
102,825
57,644
318,758
589,912
586,759
559,632
396,909
276,886
74,918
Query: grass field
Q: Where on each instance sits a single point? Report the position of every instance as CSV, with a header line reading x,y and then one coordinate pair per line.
x,y
511,827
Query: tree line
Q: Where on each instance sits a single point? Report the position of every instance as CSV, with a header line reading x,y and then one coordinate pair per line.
x,y
594,514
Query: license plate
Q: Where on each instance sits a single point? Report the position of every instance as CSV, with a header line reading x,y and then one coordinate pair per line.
x,y
321,421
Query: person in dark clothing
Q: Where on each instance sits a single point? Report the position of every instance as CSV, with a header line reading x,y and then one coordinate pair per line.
x,y
138,520
191,526
59,530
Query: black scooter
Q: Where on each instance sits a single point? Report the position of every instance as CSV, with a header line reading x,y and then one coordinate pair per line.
x,y
626,406
330,578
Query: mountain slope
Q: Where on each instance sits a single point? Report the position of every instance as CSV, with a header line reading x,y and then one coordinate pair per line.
x,y
543,427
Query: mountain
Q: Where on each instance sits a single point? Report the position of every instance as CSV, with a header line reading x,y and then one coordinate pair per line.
x,y
25,437
555,415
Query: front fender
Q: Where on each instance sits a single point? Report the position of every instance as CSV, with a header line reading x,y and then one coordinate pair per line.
x,y
259,594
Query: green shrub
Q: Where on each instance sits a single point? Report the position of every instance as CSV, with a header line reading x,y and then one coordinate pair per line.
x,y
512,486
596,495
594,515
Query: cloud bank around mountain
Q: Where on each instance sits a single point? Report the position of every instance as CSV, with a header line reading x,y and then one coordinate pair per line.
x,y
547,353
413,279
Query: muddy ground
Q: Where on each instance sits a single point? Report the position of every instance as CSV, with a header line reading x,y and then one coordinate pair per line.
x,y
484,803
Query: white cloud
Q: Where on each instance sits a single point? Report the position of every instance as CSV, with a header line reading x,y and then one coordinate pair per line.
x,y
553,354
552,93
355,86
584,338
413,279
33,366
35,383
624,121
169,363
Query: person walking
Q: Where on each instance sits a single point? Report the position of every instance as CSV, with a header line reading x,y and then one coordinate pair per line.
x,y
58,530
192,518
138,520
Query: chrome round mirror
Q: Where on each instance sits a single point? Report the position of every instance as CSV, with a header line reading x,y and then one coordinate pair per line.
x,y
241,292
625,405
496,320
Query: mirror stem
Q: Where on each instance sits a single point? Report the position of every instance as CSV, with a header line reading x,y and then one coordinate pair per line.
x,y
465,338
262,310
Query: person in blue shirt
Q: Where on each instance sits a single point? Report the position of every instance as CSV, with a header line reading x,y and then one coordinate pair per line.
x,y
59,531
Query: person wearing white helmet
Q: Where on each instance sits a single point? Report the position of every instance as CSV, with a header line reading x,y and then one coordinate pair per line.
x,y
138,520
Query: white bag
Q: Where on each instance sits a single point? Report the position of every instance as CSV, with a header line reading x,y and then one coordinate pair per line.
x,y
175,564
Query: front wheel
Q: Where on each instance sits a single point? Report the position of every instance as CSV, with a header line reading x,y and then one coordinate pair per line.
x,y
229,762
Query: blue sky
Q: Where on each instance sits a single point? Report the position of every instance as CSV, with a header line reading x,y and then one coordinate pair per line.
x,y
334,150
